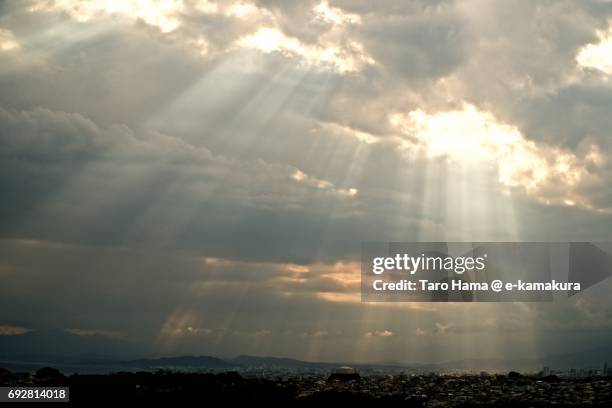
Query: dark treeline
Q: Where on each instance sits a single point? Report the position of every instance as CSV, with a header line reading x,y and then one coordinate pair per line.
x,y
164,386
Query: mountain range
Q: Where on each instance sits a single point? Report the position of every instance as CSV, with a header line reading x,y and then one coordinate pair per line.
x,y
98,353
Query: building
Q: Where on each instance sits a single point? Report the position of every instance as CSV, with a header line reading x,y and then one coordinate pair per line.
x,y
344,373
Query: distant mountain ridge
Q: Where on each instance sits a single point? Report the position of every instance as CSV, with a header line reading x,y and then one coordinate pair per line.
x,y
61,343
180,361
280,362
58,347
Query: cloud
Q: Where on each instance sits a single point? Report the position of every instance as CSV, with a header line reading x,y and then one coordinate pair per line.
x,y
332,50
262,333
427,43
184,304
8,41
160,14
347,59
598,55
379,333
10,330
103,333
335,15
444,328
547,173
77,156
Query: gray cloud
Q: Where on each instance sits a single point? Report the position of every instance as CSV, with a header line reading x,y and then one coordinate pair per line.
x,y
184,304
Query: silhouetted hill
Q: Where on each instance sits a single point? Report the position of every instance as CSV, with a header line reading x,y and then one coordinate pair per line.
x,y
181,361
594,358
582,359
52,344
278,362
78,353
487,364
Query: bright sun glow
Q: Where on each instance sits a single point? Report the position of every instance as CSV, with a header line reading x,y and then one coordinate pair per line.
x,y
598,56
7,41
349,58
550,174
158,13
335,15
332,50
314,182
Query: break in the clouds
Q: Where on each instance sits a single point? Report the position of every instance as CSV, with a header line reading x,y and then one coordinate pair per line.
x,y
198,175
598,55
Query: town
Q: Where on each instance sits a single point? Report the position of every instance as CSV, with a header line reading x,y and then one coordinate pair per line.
x,y
342,384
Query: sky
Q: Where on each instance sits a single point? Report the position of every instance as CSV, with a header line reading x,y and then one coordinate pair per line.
x,y
198,176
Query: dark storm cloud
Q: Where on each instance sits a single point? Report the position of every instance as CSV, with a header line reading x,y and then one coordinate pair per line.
x,y
576,114
92,73
417,47
164,192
